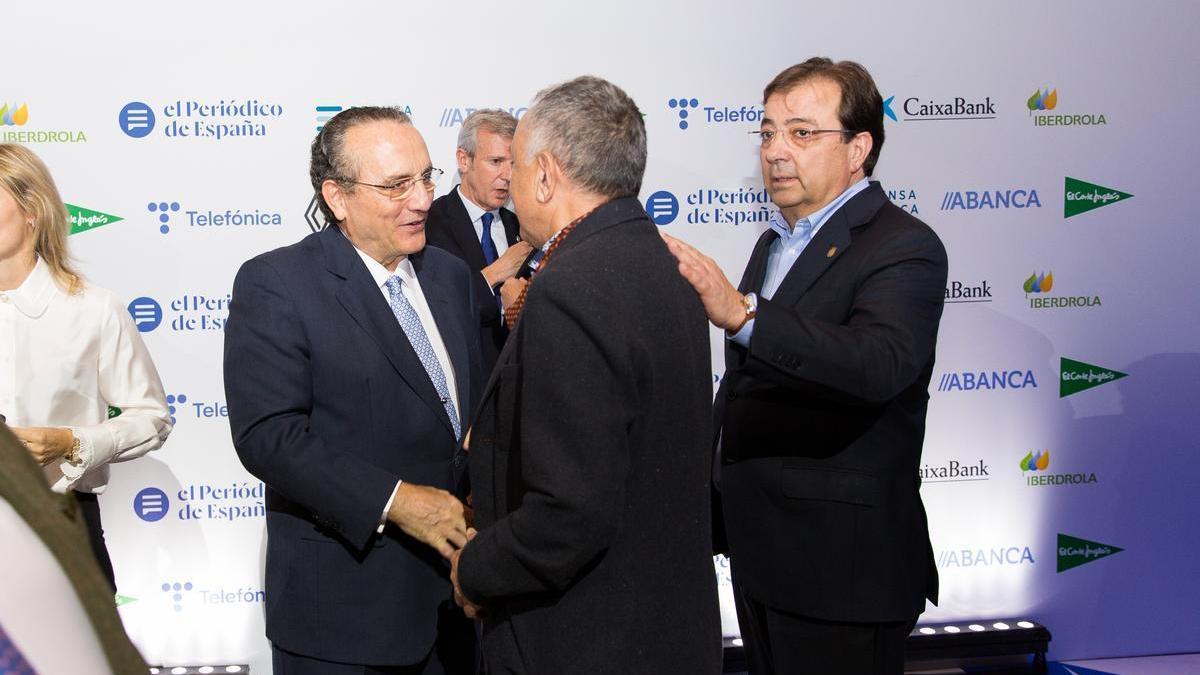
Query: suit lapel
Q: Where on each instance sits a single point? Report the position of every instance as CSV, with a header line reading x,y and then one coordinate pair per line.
x,y
756,269
440,303
834,237
829,244
512,226
364,302
463,231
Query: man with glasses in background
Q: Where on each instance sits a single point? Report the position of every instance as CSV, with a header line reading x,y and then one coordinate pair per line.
x,y
471,222
351,362
820,417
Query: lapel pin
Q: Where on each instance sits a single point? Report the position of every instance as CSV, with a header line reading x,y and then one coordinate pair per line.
x,y
831,252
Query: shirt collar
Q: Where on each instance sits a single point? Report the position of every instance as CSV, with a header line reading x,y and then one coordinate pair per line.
x,y
818,217
546,246
379,273
34,294
474,211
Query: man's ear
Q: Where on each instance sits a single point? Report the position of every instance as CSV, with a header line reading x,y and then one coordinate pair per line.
x,y
464,160
859,148
335,197
548,177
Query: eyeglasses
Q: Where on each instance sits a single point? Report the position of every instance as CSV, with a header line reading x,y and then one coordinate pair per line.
x,y
404,187
799,137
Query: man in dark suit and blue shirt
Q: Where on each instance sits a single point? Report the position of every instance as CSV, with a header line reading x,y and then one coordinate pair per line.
x,y
471,222
820,417
351,359
590,453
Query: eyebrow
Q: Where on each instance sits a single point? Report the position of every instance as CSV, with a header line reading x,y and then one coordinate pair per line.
x,y
394,178
794,120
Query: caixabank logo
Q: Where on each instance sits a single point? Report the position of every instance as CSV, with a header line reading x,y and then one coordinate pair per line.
x,y
210,120
16,127
1035,467
940,108
454,116
969,381
1004,555
1080,196
83,219
191,312
227,503
1076,376
1038,287
1075,551
690,111
991,199
711,206
965,292
172,216
1043,107
955,471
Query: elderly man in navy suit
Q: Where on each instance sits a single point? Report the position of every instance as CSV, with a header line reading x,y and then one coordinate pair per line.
x,y
351,360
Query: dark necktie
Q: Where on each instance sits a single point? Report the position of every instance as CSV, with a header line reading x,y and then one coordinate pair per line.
x,y
489,246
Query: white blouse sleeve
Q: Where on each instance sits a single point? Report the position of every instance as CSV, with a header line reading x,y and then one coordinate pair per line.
x,y
127,380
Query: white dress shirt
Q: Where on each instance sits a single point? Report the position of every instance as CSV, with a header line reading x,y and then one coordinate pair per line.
x,y
499,237
416,297
411,288
64,359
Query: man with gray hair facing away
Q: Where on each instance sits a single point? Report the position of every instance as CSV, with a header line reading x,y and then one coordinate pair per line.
x,y
471,222
589,456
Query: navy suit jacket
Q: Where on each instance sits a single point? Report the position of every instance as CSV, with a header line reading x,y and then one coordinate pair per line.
x,y
822,419
330,406
449,227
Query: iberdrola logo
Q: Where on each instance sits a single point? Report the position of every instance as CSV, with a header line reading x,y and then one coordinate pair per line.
x,y
1037,462
10,116
1039,283
1042,100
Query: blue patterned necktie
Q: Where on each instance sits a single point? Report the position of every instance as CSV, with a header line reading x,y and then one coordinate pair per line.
x,y
489,246
11,660
411,323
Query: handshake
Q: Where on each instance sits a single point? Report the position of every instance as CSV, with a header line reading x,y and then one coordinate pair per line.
x,y
440,520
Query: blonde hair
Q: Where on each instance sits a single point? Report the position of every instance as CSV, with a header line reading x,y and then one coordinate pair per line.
x,y
24,176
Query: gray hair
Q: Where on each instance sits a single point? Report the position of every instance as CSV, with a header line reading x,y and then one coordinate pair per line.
x,y
594,130
495,120
329,161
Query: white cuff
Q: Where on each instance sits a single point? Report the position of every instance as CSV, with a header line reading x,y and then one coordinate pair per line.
x,y
87,453
387,507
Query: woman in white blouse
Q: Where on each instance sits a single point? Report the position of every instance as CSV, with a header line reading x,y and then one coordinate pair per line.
x,y
68,350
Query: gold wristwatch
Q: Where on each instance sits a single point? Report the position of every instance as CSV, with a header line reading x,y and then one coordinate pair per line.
x,y
72,456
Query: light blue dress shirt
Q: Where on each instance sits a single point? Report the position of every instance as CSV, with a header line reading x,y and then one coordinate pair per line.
x,y
786,250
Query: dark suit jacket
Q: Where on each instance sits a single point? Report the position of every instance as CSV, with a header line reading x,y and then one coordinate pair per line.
x,y
449,227
329,405
590,463
823,417
57,521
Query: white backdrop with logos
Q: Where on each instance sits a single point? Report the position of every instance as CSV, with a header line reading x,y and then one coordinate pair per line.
x,y
1047,143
